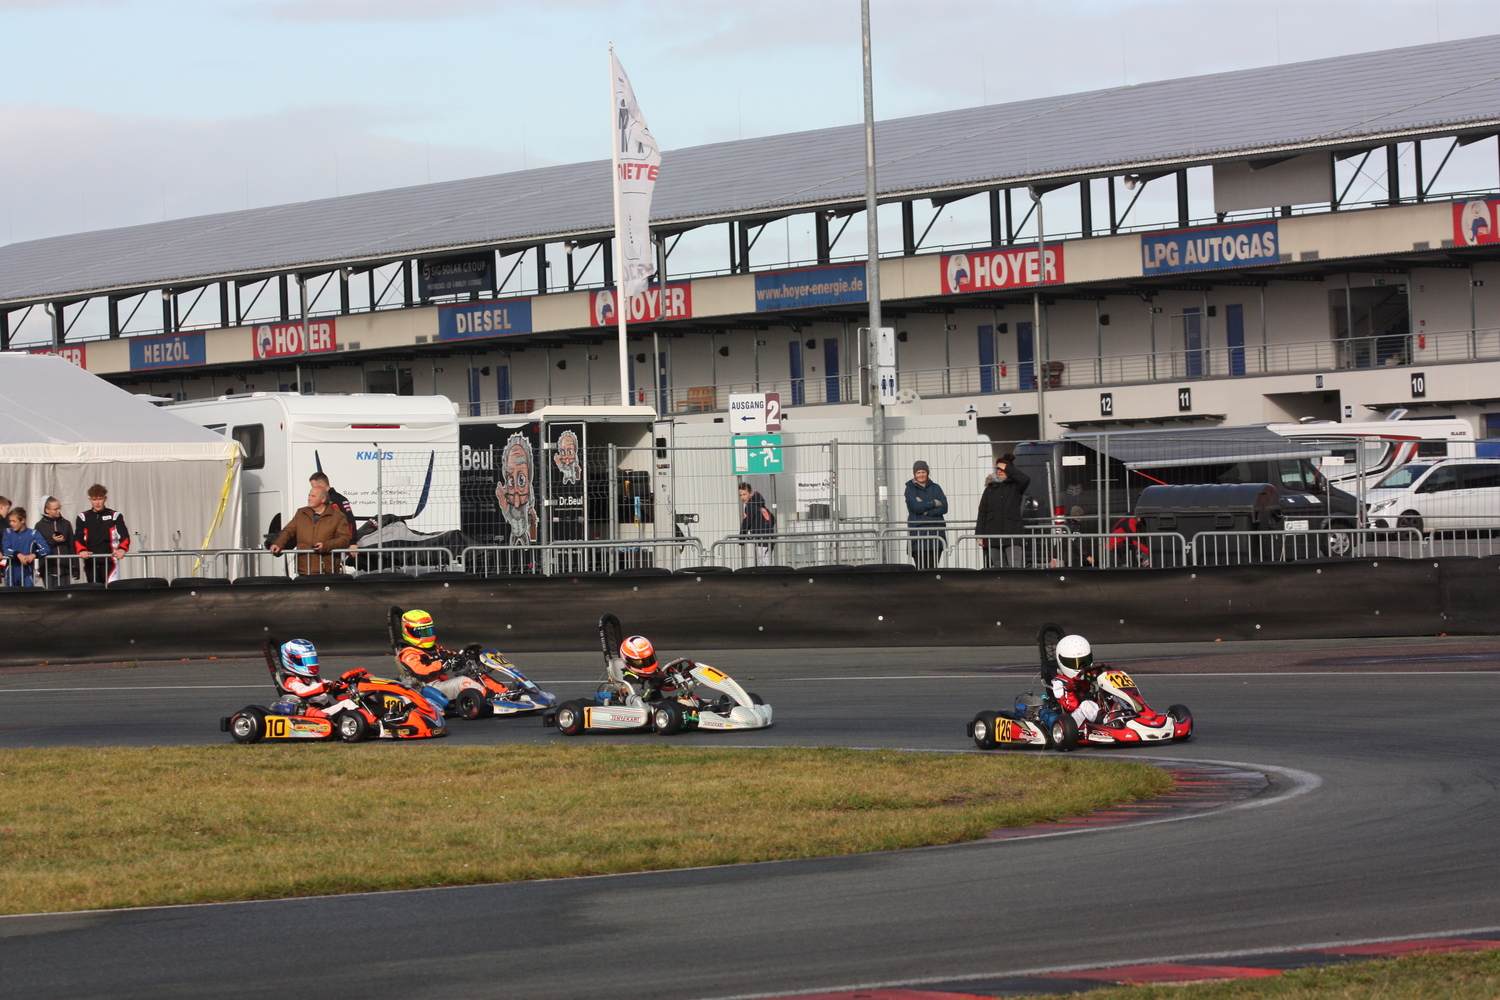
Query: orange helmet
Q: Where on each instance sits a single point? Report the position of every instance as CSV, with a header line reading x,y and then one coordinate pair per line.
x,y
640,657
417,629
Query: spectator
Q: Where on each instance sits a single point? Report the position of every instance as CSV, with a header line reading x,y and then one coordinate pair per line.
x,y
756,519
1000,513
57,531
1073,551
4,516
319,527
338,500
925,506
1125,550
21,546
101,533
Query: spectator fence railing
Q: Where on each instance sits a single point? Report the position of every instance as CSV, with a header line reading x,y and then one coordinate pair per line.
x,y
601,555
1075,550
1240,548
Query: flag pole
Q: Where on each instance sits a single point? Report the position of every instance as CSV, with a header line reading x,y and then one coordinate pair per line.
x,y
621,305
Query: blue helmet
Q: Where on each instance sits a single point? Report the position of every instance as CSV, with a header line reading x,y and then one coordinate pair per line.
x,y
300,657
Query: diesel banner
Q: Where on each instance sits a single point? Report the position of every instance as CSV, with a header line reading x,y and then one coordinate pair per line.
x,y
988,269
485,319
1208,249
569,483
456,275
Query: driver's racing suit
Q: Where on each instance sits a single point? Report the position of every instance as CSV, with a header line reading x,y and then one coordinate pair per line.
x,y
428,666
642,688
314,692
1072,693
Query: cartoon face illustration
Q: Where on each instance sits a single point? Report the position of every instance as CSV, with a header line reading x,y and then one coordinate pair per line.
x,y
263,341
958,271
604,308
1475,223
513,490
566,458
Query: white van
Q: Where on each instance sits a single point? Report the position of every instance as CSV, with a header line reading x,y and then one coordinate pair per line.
x,y
1437,494
389,455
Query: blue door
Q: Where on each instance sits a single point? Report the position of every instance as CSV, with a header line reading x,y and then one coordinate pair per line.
x,y
1234,336
831,370
473,392
986,359
794,366
502,388
1025,356
1192,341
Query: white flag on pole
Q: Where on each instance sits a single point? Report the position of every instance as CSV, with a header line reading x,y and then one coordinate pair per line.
x,y
637,162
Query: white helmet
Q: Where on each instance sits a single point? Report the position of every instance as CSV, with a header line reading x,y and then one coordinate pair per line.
x,y
1073,655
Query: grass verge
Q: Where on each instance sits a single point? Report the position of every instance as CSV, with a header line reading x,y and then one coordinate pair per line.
x,y
1470,976
113,827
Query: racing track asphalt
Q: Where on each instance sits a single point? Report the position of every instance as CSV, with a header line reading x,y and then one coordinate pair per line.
x,y
1397,839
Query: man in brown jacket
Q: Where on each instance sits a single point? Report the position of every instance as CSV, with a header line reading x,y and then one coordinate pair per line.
x,y
321,527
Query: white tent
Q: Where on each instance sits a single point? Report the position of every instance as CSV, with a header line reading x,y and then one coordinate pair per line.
x,y
62,430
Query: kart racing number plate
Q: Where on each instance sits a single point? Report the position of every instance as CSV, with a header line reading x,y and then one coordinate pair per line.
x,y
1119,679
392,703
279,727
714,675
1295,525
1007,731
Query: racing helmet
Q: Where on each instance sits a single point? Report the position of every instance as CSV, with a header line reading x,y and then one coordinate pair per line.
x,y
639,656
1073,655
418,630
300,657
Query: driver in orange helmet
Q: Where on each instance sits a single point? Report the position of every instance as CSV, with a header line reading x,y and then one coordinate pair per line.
x,y
640,672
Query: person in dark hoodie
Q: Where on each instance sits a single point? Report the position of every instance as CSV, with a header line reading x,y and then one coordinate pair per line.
x,y
1001,513
58,533
926,505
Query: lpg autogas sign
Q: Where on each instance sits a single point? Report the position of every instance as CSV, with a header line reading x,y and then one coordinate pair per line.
x,y
1208,249
172,351
485,319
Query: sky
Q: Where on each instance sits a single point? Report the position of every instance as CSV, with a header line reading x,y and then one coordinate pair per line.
x,y
115,112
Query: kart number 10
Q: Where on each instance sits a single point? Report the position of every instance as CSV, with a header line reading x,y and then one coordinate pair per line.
x,y
276,728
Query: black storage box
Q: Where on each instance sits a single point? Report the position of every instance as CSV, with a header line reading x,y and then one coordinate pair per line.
x,y
1189,510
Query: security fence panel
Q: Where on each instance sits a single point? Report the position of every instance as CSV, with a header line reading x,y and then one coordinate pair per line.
x,y
1068,550
1243,548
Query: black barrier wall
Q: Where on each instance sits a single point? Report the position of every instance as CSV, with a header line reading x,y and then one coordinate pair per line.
x,y
1334,599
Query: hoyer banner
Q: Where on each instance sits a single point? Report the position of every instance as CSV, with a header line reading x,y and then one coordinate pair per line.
x,y
985,270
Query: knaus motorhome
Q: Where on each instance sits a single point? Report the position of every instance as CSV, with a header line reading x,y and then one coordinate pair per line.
x,y
390,455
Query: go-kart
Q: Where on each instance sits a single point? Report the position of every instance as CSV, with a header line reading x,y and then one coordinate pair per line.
x,y
1124,717
680,703
364,708
489,684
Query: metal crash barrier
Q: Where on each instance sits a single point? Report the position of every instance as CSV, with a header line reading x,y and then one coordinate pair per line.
x,y
1243,548
1116,550
583,556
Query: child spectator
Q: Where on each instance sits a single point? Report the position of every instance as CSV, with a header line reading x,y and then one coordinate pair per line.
x,y
57,532
21,546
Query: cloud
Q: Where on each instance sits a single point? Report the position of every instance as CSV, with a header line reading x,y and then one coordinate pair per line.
x,y
403,11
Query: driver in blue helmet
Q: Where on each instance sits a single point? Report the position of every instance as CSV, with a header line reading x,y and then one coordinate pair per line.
x,y
298,677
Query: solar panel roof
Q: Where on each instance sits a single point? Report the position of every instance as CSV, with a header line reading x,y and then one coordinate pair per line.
x,y
1336,103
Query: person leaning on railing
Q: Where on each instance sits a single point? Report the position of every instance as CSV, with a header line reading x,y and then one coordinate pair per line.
x,y
320,527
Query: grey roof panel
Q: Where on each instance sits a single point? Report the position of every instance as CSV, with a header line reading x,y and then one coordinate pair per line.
x,y
1438,87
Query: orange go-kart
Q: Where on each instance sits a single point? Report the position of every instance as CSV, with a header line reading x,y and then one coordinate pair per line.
x,y
364,708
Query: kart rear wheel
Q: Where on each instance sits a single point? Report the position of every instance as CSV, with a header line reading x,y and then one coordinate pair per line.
x,y
570,718
666,718
469,705
983,730
248,725
1180,714
1063,734
352,727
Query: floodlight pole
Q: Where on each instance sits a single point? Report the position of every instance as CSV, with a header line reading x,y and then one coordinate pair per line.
x,y
872,283
1041,364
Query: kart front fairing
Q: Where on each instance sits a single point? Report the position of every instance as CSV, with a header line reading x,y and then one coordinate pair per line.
x,y
744,714
518,693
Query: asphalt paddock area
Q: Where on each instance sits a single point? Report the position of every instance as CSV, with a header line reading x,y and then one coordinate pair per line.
x,y
1377,822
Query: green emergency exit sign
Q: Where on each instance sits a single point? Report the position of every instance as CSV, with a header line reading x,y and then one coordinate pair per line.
x,y
756,454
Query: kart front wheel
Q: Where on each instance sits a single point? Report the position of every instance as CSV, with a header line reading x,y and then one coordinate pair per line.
x,y
353,727
666,719
570,718
983,730
755,699
1180,715
469,705
248,725
1063,734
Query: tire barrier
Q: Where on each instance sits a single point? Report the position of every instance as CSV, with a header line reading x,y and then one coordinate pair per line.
x,y
1330,599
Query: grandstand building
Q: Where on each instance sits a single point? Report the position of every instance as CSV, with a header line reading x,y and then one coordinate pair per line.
x,y
1319,263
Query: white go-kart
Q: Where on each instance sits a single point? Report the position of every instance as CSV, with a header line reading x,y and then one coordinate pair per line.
x,y
692,696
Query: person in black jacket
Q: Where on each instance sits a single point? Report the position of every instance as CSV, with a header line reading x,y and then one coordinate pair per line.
x,y
1000,513
756,519
58,532
926,507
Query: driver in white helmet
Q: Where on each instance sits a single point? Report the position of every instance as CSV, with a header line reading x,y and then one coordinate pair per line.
x,y
1074,678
